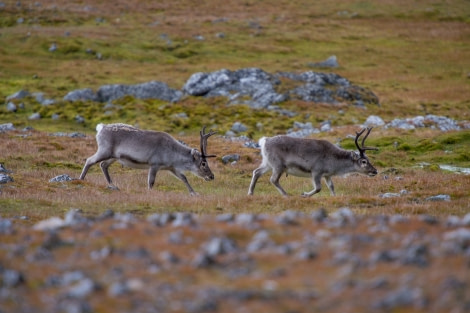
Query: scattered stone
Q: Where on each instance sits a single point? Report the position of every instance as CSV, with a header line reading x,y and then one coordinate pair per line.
x,y
239,127
220,245
18,95
86,94
161,219
440,122
82,288
203,260
61,178
374,120
50,224
389,195
4,178
225,218
3,169
319,215
184,219
6,227
230,158
12,278
11,107
35,116
150,90
331,62
439,198
6,127
301,130
53,47
288,217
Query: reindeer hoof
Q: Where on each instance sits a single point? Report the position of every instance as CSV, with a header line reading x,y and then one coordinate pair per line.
x,y
112,187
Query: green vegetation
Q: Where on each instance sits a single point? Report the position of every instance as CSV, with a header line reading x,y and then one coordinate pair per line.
x,y
412,55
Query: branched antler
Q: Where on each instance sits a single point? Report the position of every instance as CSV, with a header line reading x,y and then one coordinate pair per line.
x,y
363,148
204,138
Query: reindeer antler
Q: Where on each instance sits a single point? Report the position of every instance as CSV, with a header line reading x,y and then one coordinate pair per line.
x,y
363,148
204,138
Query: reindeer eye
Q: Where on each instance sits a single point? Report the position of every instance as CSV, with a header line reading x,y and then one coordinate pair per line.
x,y
364,162
203,163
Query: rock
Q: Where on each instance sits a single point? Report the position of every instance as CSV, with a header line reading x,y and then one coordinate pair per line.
x,y
4,178
397,299
441,122
160,219
12,278
374,120
466,220
6,227
11,107
82,288
301,130
150,90
81,95
239,127
220,245
79,119
184,219
6,127
53,47
288,217
325,126
416,254
389,195
203,260
237,85
230,158
18,95
439,198
319,215
50,224
342,217
61,178
35,116
331,62
460,238
225,218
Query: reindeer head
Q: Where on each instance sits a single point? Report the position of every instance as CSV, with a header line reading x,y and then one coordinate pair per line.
x,y
362,161
200,158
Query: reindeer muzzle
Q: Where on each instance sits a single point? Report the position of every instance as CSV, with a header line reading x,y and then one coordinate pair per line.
x,y
209,177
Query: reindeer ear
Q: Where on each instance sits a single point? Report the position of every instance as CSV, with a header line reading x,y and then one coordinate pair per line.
x,y
356,156
196,154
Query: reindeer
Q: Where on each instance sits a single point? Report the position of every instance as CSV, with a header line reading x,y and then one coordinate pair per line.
x,y
310,158
151,150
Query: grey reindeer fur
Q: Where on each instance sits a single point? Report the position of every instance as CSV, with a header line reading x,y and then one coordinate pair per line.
x,y
310,158
146,149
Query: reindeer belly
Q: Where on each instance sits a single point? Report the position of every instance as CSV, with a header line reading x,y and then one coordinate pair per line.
x,y
300,172
133,164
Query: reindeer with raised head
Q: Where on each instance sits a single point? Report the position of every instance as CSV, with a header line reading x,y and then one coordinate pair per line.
x,y
151,150
310,158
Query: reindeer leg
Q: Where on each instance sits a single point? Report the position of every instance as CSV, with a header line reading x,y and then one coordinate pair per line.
x,y
151,176
316,186
256,174
95,158
104,167
275,180
330,185
183,178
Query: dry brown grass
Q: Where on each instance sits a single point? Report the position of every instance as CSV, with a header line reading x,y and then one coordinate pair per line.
x,y
39,157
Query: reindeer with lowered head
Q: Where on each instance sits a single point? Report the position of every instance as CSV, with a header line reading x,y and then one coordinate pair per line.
x,y
310,158
151,150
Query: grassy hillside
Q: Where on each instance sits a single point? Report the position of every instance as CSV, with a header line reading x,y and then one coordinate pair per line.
x,y
412,54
